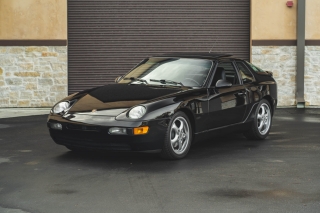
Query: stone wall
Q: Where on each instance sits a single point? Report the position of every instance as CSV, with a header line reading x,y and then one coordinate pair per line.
x,y
32,76
282,62
37,76
312,76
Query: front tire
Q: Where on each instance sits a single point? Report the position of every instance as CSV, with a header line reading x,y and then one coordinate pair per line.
x,y
261,125
178,137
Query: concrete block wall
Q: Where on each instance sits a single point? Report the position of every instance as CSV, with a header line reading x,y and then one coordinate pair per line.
x,y
32,76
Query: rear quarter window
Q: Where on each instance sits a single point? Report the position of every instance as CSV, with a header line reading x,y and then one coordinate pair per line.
x,y
255,68
245,73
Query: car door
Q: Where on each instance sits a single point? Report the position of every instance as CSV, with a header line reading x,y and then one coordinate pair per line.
x,y
248,81
226,105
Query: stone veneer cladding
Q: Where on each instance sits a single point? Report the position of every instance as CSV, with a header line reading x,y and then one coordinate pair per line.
x,y
37,76
312,76
32,76
281,60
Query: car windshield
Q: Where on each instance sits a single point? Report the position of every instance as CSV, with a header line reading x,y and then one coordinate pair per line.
x,y
171,71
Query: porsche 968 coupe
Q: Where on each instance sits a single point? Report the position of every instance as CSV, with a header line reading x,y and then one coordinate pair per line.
x,y
166,103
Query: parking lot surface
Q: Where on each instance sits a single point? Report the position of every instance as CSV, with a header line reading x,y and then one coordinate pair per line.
x,y
224,174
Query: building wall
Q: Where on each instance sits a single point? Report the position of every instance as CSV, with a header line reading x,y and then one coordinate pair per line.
x,y
312,19
32,76
36,76
272,19
33,19
274,26
312,76
281,60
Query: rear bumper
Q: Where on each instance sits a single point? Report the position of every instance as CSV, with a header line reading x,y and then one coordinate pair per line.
x,y
98,137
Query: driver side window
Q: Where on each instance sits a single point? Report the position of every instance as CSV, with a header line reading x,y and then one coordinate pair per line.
x,y
225,71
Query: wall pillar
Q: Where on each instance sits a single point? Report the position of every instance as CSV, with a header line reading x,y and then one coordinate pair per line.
x,y
301,37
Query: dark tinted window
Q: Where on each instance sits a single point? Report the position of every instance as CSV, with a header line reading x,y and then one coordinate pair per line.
x,y
245,74
230,71
255,68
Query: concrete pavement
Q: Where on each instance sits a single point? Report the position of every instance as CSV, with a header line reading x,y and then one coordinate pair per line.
x,y
225,174
19,112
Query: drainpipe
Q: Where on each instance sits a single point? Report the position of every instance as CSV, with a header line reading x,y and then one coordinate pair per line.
x,y
301,37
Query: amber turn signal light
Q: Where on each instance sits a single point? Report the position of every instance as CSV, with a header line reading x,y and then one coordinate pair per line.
x,y
140,130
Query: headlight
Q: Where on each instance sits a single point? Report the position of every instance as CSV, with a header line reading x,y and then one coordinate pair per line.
x,y
60,107
137,112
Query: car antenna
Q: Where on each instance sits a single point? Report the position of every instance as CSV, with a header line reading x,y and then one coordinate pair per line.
x,y
215,41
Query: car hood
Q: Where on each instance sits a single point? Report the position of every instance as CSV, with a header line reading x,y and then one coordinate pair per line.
x,y
111,100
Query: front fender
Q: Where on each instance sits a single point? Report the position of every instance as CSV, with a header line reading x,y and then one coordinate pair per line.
x,y
152,113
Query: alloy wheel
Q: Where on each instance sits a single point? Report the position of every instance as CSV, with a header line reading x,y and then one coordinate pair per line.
x,y
179,135
264,119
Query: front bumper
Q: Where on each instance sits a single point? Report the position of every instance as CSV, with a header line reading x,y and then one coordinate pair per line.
x,y
97,137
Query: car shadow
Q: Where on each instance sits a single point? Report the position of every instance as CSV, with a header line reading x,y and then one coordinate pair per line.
x,y
223,147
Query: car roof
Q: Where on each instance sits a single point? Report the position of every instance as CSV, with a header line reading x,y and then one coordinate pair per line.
x,y
205,55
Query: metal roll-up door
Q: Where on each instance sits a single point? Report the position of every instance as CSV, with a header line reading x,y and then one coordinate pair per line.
x,y
107,38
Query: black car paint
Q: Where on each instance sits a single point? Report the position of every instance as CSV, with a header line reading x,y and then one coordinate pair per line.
x,y
209,110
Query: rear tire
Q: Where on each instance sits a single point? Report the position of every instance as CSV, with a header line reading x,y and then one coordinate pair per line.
x,y
178,137
261,124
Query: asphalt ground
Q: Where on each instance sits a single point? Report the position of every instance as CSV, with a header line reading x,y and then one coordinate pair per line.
x,y
225,174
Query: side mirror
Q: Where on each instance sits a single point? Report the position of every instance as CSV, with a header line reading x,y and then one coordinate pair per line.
x,y
223,84
117,79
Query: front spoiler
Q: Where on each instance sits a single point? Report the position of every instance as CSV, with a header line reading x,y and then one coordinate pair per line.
x,y
87,135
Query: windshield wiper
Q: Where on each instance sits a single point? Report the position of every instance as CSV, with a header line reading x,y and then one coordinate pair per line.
x,y
136,79
163,81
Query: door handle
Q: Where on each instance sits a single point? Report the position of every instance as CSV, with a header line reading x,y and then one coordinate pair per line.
x,y
241,93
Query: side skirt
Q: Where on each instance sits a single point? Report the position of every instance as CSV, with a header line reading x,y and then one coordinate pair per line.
x,y
237,127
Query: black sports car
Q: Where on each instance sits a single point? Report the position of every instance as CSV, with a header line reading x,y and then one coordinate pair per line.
x,y
166,103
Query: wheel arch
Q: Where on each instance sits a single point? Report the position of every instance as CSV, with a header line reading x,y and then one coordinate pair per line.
x,y
271,102
190,115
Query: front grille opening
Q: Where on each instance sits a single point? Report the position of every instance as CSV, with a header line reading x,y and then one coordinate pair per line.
x,y
83,127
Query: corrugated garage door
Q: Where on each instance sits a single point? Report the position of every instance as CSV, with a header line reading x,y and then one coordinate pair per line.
x,y
107,38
